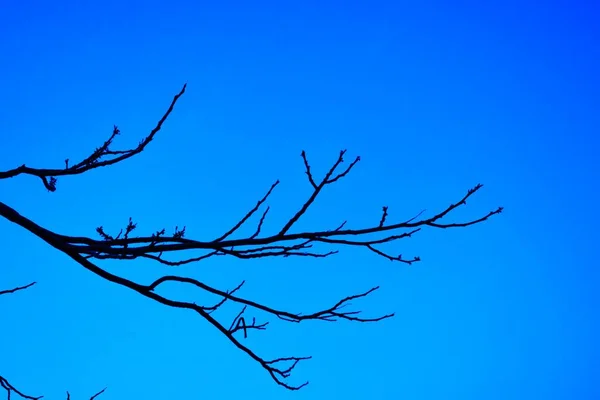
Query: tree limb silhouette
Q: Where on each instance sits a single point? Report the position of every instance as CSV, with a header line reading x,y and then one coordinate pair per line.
x,y
160,247
5,384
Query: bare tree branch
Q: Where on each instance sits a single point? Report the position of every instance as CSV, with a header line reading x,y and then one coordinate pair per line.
x,y
11,389
5,384
91,398
286,243
7,291
98,158
3,381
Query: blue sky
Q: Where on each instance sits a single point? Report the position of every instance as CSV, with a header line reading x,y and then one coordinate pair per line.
x,y
435,97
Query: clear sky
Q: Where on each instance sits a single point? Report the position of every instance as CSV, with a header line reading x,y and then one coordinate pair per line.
x,y
434,96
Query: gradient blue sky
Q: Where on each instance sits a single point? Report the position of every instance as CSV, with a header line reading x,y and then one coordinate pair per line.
x,y
435,97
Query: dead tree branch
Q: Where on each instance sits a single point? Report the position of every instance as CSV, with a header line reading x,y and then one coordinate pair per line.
x,y
286,243
5,384
7,291
3,381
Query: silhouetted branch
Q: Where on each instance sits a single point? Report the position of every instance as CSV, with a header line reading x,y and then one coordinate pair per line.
x,y
91,398
11,389
3,381
7,291
100,157
249,214
285,243
5,384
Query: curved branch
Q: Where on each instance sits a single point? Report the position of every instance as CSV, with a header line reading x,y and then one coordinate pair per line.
x,y
94,160
6,385
7,291
124,246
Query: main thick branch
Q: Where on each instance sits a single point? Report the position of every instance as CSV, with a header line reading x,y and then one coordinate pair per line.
x,y
286,243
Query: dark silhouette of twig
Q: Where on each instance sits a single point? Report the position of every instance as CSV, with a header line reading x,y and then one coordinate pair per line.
x,y
5,384
7,291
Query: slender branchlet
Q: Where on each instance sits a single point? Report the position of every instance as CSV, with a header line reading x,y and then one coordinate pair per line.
x,y
5,384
